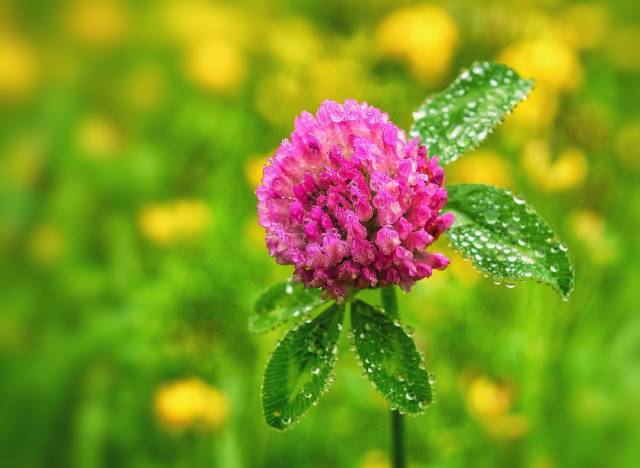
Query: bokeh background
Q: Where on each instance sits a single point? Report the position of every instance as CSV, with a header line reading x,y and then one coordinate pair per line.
x,y
132,136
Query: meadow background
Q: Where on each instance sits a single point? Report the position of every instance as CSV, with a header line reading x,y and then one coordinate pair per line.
x,y
132,136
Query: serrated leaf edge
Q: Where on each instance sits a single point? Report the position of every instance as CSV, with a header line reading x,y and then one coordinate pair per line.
x,y
423,362
474,144
330,378
504,281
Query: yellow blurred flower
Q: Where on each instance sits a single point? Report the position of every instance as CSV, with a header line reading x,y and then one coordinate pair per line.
x,y
375,459
461,269
282,94
488,399
176,221
99,23
587,224
215,65
45,244
584,25
19,67
337,78
590,229
189,22
190,402
286,92
211,38
254,233
567,171
481,167
490,403
98,137
424,36
254,167
628,145
549,61
293,41
538,110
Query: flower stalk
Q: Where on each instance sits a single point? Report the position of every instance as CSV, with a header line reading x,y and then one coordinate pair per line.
x,y
397,440
390,305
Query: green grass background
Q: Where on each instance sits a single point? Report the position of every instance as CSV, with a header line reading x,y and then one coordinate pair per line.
x,y
101,119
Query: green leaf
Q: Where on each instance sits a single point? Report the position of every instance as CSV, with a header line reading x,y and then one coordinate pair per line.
x,y
390,359
504,237
459,118
300,369
283,302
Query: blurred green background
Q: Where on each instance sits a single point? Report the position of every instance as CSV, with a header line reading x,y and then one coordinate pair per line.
x,y
132,136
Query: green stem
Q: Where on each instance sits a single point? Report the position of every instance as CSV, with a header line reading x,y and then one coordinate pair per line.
x,y
390,305
397,440
389,301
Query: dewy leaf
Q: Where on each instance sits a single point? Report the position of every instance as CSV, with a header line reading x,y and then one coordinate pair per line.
x,y
459,118
300,369
390,359
505,238
282,302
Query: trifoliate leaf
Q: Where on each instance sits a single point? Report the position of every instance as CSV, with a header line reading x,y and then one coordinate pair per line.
x,y
459,118
283,302
300,369
390,359
504,237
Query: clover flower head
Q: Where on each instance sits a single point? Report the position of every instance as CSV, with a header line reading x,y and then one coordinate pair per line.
x,y
351,203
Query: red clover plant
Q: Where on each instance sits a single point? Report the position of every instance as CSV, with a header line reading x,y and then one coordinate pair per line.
x,y
352,203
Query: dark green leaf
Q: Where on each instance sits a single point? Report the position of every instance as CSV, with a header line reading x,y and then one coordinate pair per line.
x,y
459,118
281,303
505,238
390,359
300,369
